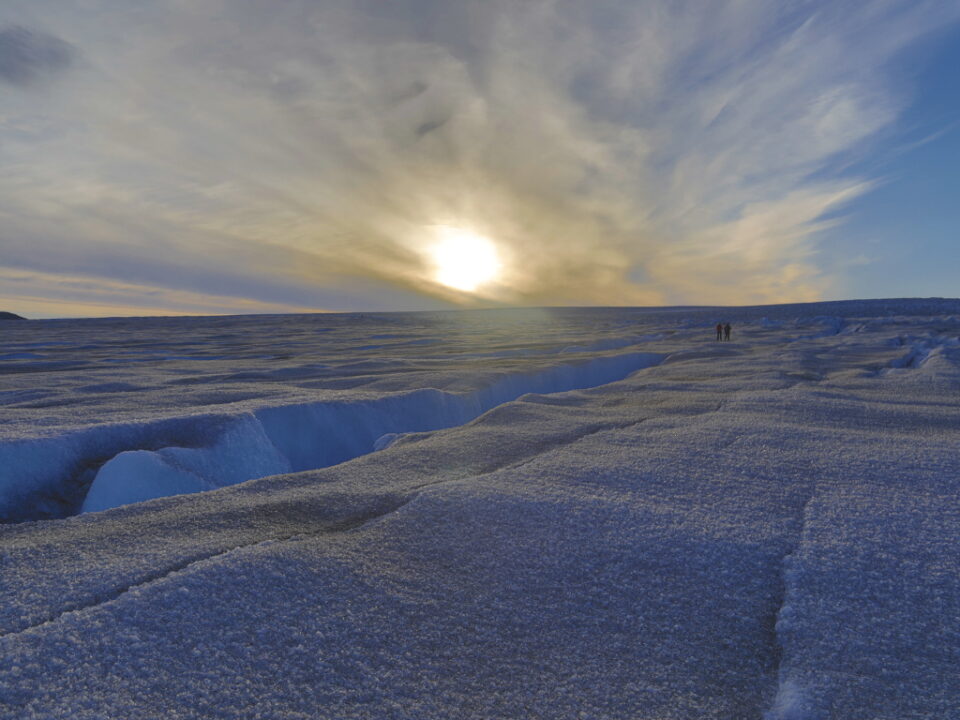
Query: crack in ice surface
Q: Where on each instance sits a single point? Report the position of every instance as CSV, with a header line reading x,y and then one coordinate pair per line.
x,y
790,702
270,440
165,573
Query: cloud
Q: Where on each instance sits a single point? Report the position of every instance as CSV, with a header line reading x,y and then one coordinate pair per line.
x,y
617,152
67,295
28,55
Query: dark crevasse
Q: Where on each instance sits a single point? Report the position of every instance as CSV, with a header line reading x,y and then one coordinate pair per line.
x,y
116,464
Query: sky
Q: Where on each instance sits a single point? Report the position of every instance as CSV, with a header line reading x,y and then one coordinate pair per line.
x,y
248,156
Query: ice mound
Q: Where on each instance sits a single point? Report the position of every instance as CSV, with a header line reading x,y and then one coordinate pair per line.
x,y
137,475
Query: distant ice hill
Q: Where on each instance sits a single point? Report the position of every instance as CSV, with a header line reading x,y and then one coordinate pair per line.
x,y
10,316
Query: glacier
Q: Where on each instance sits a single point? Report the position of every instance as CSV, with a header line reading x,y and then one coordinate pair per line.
x,y
563,513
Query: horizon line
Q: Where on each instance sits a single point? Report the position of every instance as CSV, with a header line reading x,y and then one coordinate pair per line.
x,y
478,309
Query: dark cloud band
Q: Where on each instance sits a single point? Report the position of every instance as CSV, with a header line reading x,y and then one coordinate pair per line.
x,y
27,55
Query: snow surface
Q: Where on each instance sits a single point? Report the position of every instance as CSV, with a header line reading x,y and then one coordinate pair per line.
x,y
496,514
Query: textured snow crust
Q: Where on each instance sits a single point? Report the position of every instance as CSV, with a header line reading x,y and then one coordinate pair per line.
x,y
764,528
58,455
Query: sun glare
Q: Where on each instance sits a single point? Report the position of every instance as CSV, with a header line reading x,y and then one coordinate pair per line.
x,y
464,260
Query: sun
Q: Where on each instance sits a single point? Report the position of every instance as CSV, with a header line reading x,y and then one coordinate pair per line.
x,y
464,260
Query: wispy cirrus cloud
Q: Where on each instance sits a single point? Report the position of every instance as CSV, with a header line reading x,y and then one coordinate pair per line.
x,y
43,294
617,152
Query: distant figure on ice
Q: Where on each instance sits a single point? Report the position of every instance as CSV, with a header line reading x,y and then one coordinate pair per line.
x,y
719,331
726,331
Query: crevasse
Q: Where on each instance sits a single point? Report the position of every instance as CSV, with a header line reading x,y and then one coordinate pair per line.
x,y
110,465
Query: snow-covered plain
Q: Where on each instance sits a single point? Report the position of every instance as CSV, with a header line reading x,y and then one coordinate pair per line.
x,y
494,514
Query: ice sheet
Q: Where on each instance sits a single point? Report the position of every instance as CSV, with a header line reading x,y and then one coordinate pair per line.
x,y
761,528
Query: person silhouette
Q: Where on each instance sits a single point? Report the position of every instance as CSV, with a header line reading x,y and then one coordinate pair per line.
x,y
726,331
719,331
